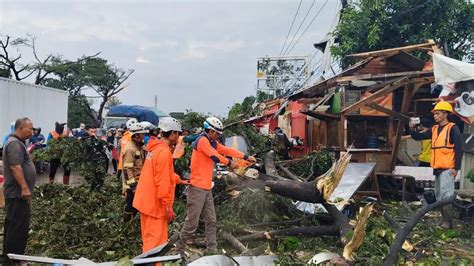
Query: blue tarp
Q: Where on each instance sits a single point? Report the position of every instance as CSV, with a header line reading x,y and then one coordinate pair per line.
x,y
141,113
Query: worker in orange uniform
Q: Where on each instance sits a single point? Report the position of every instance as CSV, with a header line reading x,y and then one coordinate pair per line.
x,y
126,137
446,156
154,196
133,159
206,152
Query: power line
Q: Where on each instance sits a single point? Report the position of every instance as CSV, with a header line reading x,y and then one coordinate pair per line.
x,y
291,27
309,25
301,24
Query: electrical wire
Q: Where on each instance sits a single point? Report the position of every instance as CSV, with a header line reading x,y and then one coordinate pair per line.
x,y
309,25
291,27
299,27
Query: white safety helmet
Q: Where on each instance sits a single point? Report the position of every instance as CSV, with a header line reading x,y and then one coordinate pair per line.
x,y
168,124
147,125
137,128
130,122
215,124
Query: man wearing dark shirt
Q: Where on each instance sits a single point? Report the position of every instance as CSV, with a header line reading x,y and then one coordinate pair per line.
x,y
446,156
20,177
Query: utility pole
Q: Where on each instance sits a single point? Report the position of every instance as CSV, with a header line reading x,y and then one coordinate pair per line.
x,y
156,101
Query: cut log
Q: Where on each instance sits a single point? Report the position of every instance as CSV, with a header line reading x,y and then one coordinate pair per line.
x,y
288,173
303,191
308,231
403,232
270,168
236,244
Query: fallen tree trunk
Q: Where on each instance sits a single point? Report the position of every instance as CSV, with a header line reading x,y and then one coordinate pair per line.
x,y
403,232
303,191
235,243
321,217
308,231
340,221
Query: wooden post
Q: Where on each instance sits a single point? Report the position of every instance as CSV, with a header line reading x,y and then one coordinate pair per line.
x,y
409,91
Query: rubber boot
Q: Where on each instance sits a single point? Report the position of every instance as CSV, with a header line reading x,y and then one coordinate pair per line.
x,y
447,217
66,180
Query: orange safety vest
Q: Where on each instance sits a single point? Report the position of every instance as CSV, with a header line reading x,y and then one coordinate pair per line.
x,y
205,154
442,151
56,135
179,149
123,141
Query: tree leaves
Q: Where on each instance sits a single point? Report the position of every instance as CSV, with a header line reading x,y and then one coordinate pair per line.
x,y
366,26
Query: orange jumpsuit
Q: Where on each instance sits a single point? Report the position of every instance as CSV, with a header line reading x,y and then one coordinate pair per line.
x,y
155,190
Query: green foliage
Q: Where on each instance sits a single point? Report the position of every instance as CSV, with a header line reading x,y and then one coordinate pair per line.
x,y
367,25
316,163
74,222
87,155
193,120
470,175
263,96
252,207
290,243
79,111
244,109
182,164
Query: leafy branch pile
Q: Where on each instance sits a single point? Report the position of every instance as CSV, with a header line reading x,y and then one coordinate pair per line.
x,y
87,155
74,222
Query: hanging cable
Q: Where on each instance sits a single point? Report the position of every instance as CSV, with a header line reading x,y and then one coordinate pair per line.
x,y
299,27
291,27
309,25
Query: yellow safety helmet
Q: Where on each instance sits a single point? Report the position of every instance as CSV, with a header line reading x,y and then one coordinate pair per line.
x,y
443,106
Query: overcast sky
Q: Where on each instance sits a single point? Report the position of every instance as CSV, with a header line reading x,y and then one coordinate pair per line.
x,y
198,55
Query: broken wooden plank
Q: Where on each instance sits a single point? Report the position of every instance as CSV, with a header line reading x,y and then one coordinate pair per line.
x,y
384,76
389,88
389,112
408,48
321,115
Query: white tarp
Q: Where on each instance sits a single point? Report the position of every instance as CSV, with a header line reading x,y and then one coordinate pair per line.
x,y
449,73
448,70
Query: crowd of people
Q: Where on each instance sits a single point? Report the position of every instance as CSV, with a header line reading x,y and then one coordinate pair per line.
x,y
142,157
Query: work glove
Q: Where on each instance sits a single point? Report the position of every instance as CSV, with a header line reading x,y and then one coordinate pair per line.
x,y
169,213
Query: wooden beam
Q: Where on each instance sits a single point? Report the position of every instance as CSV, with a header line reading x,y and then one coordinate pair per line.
x,y
434,47
389,112
410,90
382,76
387,89
321,115
408,48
